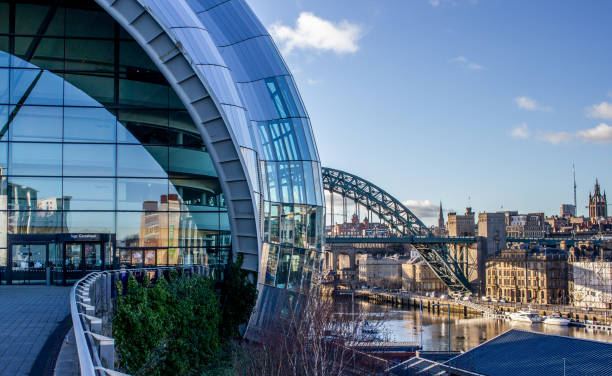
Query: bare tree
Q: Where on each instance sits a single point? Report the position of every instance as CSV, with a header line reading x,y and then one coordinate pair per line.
x,y
311,338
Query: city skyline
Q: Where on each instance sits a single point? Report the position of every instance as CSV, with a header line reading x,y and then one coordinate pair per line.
x,y
489,110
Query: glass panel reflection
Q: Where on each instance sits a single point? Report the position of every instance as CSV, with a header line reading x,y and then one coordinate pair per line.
x,y
36,123
90,193
89,160
35,159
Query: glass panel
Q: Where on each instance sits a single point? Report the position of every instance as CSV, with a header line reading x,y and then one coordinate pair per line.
x,y
149,257
33,86
275,223
137,257
90,55
284,178
143,127
99,89
197,229
5,58
93,255
297,180
162,256
3,158
125,257
88,125
73,256
25,193
4,84
191,161
136,161
46,53
3,257
142,229
272,182
90,193
142,194
296,266
35,14
90,222
79,23
35,222
143,94
309,183
131,58
272,264
284,261
34,123
89,160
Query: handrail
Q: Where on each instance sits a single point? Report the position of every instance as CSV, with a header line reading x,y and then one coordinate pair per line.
x,y
87,328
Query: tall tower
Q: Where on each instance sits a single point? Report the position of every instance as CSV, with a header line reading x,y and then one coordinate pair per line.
x,y
440,218
575,205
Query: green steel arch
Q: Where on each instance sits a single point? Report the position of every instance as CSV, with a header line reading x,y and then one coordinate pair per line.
x,y
401,220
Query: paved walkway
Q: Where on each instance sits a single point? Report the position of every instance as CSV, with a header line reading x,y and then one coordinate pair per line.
x,y
30,318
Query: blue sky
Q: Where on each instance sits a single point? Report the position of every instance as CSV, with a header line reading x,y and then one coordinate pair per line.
x,y
484,102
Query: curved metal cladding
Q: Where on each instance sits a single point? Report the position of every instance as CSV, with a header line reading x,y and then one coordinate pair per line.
x,y
226,69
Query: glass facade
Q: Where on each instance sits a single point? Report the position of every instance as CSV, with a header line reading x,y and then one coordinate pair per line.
x,y
101,165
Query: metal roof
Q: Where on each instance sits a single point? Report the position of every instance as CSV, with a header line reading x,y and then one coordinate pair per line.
x,y
519,352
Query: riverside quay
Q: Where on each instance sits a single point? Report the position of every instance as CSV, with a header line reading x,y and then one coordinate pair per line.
x,y
153,133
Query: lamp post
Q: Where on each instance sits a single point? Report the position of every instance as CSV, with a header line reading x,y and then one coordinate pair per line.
x,y
449,323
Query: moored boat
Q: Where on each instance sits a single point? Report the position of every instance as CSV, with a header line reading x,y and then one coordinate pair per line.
x,y
555,319
526,316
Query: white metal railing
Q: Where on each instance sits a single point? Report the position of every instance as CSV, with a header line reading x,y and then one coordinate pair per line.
x,y
91,310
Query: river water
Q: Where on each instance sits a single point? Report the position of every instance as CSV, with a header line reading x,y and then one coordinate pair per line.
x,y
431,329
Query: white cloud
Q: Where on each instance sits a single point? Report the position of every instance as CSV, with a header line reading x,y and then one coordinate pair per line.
x,y
530,104
600,111
521,131
600,134
315,33
466,63
554,138
423,209
312,81
434,3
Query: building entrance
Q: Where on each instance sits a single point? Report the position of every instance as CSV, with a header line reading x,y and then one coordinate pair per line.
x,y
56,258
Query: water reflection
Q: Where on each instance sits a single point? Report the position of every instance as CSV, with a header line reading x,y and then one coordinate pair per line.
x,y
431,329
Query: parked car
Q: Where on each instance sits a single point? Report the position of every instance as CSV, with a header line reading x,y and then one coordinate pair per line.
x,y
486,299
502,300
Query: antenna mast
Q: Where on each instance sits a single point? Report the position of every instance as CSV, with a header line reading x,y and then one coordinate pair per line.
x,y
575,205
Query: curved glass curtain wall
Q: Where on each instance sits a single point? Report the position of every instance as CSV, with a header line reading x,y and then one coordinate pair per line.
x,y
292,210
94,141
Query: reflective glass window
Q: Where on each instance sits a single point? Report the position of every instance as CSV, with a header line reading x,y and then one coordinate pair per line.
x,y
35,193
4,84
191,161
295,268
275,223
309,183
142,229
272,182
35,159
34,86
89,160
99,89
35,222
90,55
289,139
90,222
284,179
46,53
276,97
297,181
142,194
284,262
4,124
144,94
143,127
3,158
36,123
131,58
88,125
36,15
272,263
79,23
137,161
277,140
90,193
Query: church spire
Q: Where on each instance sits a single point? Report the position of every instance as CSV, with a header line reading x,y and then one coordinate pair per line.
x,y
441,217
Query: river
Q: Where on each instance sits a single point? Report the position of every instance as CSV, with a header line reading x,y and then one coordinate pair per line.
x,y
431,329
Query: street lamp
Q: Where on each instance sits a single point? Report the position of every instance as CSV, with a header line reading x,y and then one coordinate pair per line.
x,y
449,324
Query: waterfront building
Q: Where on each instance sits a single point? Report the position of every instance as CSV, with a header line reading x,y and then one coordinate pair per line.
x,y
153,132
374,270
461,225
598,204
417,276
528,274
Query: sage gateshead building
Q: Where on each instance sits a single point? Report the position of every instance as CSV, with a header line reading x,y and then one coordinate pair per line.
x,y
152,132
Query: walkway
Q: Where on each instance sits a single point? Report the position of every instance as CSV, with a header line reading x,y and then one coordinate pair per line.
x,y
33,323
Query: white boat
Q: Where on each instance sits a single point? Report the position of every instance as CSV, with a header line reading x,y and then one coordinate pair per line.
x,y
526,316
556,320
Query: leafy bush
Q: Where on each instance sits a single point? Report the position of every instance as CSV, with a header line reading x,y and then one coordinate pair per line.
x,y
179,326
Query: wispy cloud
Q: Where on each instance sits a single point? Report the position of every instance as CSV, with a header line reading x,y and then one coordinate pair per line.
x,y
521,131
466,63
312,81
315,33
454,3
530,104
434,3
423,209
600,134
602,110
554,138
